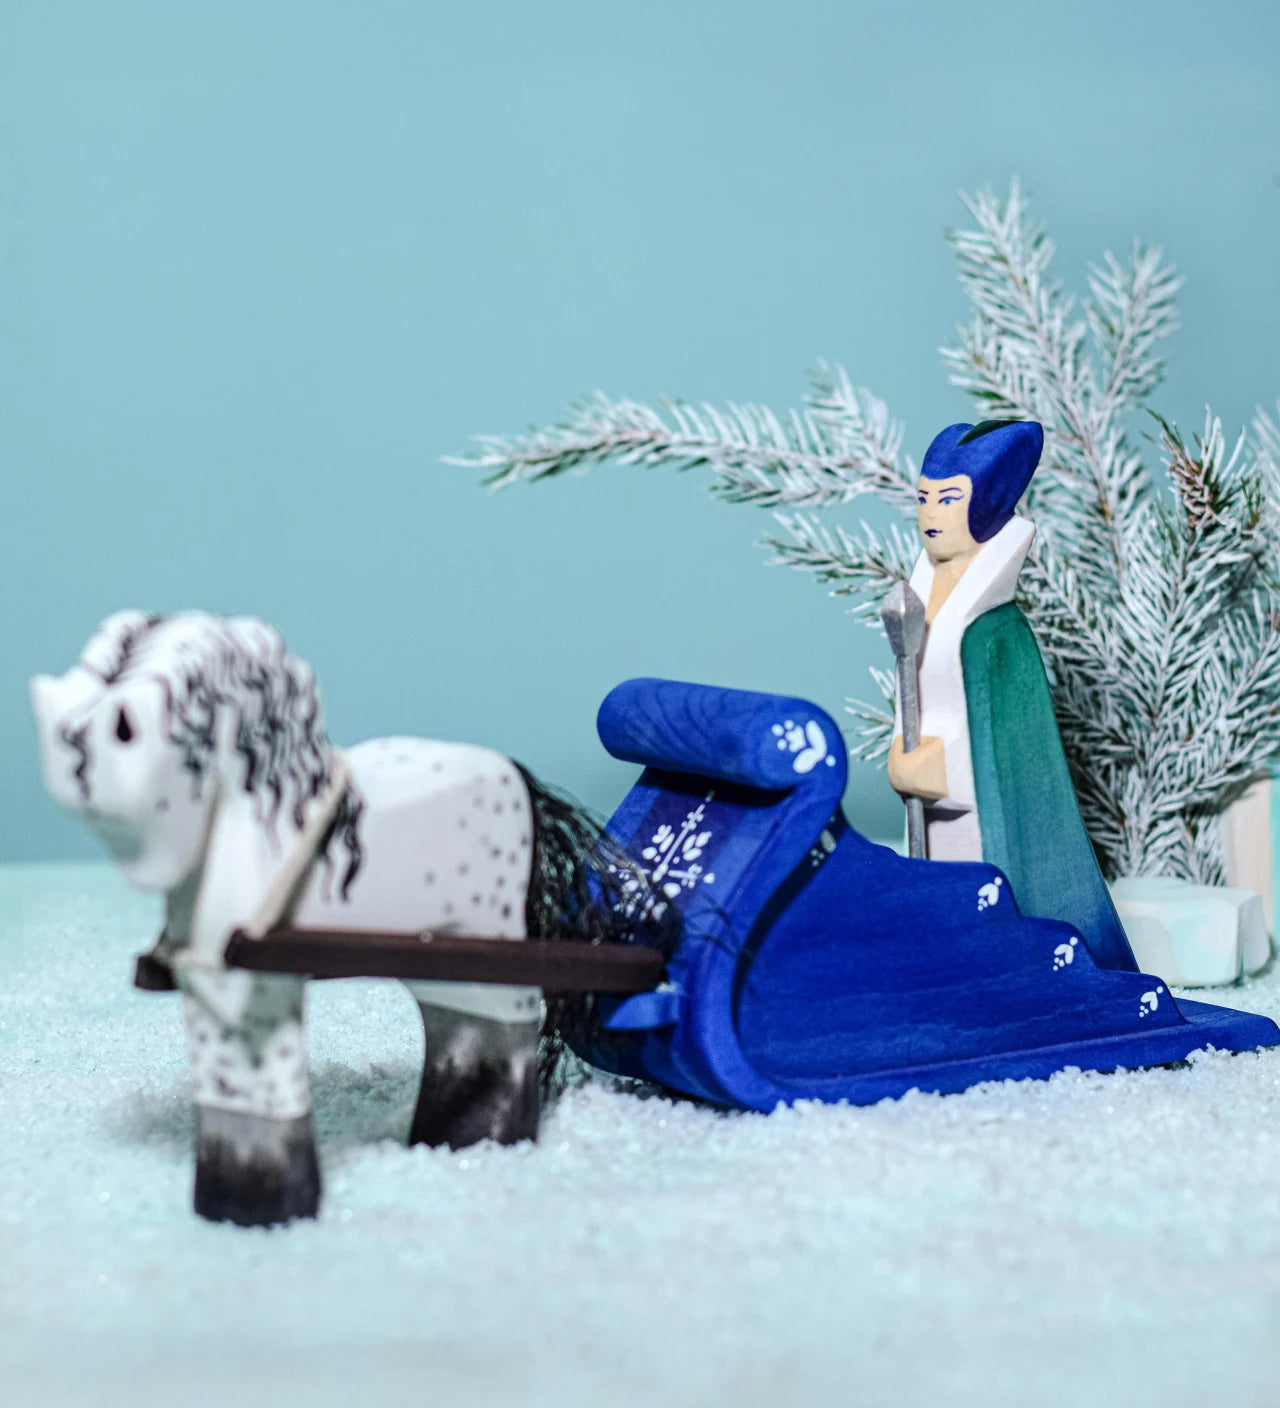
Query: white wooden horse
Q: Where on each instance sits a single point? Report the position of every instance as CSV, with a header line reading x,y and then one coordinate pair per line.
x,y
194,746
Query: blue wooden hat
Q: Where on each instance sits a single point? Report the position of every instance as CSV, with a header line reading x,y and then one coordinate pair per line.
x,y
999,456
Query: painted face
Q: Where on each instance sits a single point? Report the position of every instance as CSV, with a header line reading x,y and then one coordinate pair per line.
x,y
107,756
943,514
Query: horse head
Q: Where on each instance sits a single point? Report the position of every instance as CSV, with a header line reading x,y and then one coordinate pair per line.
x,y
163,721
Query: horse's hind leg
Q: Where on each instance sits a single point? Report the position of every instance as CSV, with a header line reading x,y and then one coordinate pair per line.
x,y
255,1151
479,1080
480,1075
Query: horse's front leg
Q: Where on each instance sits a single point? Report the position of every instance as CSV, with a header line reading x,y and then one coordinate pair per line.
x,y
480,1074
255,1150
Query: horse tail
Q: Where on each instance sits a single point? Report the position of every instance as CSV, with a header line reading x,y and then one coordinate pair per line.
x,y
583,886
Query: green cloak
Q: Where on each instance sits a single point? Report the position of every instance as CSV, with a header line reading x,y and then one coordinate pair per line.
x,y
1027,809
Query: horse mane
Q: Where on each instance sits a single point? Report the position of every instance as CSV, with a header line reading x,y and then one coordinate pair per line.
x,y
212,668
111,646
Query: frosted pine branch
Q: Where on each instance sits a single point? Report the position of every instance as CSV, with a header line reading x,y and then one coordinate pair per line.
x,y
1022,353
874,733
839,448
863,563
858,424
1195,688
1266,434
1264,449
1132,308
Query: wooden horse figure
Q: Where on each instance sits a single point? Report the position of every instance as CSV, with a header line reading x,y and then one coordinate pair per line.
x,y
194,747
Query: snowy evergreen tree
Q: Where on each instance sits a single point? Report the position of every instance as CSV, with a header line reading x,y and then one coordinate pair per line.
x,y
1155,595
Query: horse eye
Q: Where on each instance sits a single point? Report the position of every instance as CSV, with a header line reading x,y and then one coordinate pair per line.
x,y
124,729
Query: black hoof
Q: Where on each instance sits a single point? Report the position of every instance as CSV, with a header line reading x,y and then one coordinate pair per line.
x,y
479,1081
254,1171
152,974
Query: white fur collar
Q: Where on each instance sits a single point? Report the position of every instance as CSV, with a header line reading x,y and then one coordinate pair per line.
x,y
990,580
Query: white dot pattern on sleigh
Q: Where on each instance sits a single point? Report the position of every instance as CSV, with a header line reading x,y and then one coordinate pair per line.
x,y
1149,1002
807,741
825,846
989,894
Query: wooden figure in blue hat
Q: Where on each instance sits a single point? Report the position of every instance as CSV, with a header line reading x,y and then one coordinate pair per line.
x,y
990,767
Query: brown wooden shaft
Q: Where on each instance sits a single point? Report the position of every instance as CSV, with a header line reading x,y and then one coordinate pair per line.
x,y
556,965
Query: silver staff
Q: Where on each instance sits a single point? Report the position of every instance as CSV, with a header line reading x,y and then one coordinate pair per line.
x,y
903,617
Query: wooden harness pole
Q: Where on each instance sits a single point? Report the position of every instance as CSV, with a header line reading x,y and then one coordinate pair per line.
x,y
555,965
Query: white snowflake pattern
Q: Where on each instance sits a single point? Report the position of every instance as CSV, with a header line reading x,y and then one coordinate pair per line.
x,y
807,741
1150,1001
673,858
989,894
674,855
1065,954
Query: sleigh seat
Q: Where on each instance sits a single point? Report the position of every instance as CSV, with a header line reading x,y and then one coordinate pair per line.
x,y
814,964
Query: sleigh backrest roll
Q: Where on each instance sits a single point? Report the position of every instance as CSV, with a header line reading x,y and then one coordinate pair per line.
x,y
738,802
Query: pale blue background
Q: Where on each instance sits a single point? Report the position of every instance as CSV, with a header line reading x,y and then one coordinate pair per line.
x,y
261,265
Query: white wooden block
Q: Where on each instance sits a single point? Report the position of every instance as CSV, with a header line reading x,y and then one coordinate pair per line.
x,y
1194,935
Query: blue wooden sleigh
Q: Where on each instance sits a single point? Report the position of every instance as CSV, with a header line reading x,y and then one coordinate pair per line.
x,y
814,964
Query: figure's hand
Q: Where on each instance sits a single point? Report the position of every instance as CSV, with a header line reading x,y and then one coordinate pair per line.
x,y
920,773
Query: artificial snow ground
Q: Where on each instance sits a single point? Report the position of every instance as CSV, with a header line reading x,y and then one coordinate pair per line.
x,y
1090,1240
